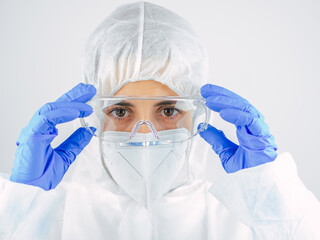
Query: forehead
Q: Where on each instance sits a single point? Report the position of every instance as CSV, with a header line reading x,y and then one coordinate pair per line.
x,y
145,88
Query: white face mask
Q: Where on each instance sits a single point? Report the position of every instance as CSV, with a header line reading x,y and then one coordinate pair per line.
x,y
146,173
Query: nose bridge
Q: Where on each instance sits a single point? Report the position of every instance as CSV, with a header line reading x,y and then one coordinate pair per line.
x,y
145,119
145,114
144,126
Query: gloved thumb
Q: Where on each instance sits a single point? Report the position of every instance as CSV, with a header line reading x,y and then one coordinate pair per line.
x,y
219,142
73,146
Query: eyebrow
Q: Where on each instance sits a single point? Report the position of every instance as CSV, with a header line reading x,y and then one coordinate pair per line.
x,y
124,104
165,103
162,103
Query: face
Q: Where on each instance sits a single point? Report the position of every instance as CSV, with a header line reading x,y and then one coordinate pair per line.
x,y
146,88
164,115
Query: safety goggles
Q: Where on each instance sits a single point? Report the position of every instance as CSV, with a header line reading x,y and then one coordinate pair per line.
x,y
130,119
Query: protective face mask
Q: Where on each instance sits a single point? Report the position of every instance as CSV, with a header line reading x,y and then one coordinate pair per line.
x,y
146,173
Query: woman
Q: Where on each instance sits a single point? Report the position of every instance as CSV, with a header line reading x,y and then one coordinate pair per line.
x,y
141,176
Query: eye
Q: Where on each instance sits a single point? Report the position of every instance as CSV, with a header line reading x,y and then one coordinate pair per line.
x,y
119,112
169,112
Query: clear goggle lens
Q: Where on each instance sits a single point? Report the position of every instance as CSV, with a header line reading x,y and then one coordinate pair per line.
x,y
153,116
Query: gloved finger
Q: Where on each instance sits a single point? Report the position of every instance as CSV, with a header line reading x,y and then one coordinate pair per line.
x,y
84,109
80,93
45,123
252,143
219,142
236,117
256,126
73,146
259,128
219,103
214,90
62,115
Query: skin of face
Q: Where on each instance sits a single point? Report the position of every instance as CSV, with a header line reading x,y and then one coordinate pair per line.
x,y
147,88
143,110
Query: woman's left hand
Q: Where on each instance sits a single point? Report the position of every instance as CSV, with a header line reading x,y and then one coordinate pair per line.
x,y
256,144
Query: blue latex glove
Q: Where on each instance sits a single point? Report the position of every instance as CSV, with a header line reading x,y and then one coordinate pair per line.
x,y
36,162
256,144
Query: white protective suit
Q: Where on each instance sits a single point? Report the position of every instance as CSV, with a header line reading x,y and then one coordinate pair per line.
x,y
142,41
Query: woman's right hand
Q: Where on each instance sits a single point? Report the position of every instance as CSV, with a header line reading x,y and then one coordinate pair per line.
x,y
36,162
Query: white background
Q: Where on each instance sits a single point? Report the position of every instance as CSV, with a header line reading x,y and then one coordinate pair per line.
x,y
266,51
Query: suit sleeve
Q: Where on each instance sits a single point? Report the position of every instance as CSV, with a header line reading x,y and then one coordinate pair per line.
x,y
272,200
26,212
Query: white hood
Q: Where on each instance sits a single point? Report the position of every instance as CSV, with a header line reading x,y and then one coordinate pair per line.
x,y
143,41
